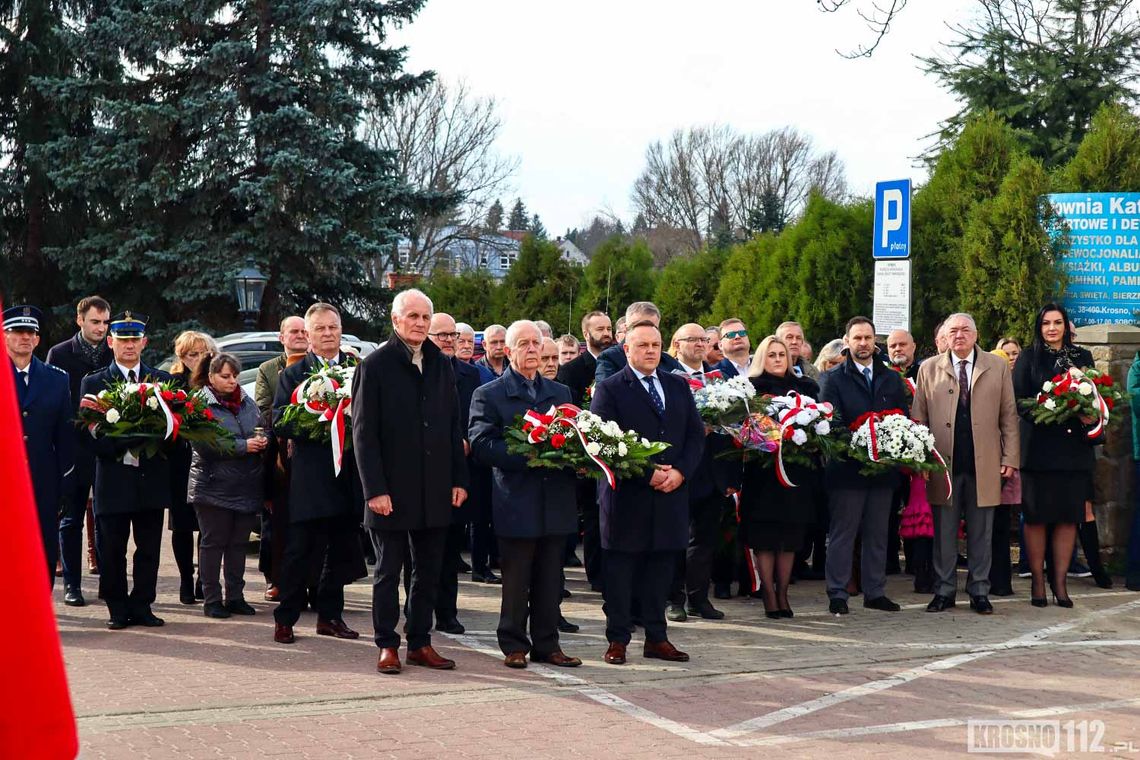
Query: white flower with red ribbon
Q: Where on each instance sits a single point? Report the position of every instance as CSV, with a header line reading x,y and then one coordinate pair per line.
x,y
805,430
321,405
889,440
1074,394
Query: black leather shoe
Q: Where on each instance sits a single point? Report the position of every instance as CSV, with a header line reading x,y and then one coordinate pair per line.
x,y
117,623
880,603
73,597
565,626
837,607
485,577
1007,591
147,619
706,611
940,603
450,626
240,607
215,610
676,613
565,593
981,605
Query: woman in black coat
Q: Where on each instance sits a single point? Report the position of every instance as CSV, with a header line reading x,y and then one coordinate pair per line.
x,y
773,518
1056,459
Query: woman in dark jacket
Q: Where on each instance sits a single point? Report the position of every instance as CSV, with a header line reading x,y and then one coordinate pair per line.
x,y
189,349
226,486
774,519
1056,459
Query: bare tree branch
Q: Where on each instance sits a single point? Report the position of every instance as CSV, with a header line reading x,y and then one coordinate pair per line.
x,y
878,19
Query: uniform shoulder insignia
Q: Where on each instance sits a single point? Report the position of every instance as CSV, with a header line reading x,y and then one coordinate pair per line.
x,y
57,369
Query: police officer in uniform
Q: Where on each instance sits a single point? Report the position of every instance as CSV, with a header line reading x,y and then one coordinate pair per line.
x,y
45,412
131,491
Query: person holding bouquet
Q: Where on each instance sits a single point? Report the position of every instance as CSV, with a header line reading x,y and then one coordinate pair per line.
x,y
534,509
225,485
1056,457
965,397
645,519
774,518
859,385
132,487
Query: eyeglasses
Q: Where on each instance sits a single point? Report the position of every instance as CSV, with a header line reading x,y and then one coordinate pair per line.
x,y
736,334
445,336
694,340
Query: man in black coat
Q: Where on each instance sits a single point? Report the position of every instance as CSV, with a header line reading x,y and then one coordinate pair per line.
x,y
861,384
45,415
80,355
613,358
324,507
645,521
409,448
534,508
131,488
578,376
443,333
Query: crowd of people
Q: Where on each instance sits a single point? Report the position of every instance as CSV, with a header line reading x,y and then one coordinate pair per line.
x,y
429,476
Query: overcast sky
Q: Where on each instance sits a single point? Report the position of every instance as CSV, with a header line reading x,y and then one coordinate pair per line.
x,y
583,87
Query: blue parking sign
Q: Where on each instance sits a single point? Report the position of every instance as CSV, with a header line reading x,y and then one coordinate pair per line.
x,y
892,219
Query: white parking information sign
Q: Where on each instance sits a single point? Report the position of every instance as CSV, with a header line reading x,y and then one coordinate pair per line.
x,y
892,295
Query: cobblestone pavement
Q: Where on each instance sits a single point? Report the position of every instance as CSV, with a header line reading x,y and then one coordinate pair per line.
x,y
871,684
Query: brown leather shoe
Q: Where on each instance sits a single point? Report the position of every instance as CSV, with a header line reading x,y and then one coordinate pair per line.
x,y
559,659
515,660
429,658
615,655
389,661
336,628
663,650
283,634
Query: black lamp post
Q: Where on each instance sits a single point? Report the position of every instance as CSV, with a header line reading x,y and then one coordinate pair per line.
x,y
250,285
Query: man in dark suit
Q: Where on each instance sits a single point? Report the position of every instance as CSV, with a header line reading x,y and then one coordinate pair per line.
x,y
534,509
734,344
85,352
324,508
645,521
613,358
45,413
132,489
444,334
295,339
578,376
409,448
919,552
861,384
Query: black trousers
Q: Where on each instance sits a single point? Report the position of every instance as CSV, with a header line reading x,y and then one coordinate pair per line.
x,y
447,597
532,589
71,526
592,555
392,546
483,546
330,541
112,535
893,542
644,576
704,538
1001,570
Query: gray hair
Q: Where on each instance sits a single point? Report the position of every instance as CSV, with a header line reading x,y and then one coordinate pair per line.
x,y
643,308
829,353
787,326
544,328
493,328
517,327
961,315
463,327
399,303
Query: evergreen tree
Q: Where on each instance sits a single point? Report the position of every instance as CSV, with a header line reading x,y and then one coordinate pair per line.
x,y
495,217
518,220
469,296
536,228
619,273
687,286
1108,159
736,290
236,135
539,285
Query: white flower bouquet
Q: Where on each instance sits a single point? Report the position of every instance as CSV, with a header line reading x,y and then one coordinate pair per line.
x,y
723,402
320,410
152,413
889,440
1075,393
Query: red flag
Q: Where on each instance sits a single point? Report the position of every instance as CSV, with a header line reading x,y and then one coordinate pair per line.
x,y
37,720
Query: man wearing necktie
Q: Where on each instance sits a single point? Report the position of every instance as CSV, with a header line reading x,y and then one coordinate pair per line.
x,y
645,520
44,397
965,396
857,502
131,492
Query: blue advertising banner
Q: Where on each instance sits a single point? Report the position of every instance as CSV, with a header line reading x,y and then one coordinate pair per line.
x,y
1103,261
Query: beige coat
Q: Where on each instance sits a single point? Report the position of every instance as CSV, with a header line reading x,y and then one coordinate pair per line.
x,y
993,412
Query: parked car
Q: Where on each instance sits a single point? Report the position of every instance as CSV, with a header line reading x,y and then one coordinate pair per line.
x,y
267,341
248,359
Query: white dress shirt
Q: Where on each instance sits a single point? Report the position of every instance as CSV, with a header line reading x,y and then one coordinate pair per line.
x,y
656,384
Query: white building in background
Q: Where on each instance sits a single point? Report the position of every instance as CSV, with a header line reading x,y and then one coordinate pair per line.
x,y
494,253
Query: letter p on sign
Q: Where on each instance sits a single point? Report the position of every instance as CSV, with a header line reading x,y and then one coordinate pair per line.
x,y
892,220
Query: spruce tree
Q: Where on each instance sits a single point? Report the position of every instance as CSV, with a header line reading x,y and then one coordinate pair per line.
x,y
536,228
518,220
495,217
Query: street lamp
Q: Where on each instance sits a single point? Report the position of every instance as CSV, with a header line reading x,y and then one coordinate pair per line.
x,y
250,285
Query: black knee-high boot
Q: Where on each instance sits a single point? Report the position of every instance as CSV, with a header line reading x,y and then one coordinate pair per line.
x,y
1090,545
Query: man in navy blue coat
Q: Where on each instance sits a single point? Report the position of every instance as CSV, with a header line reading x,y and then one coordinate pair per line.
x,y
645,520
534,509
859,502
613,358
45,412
131,491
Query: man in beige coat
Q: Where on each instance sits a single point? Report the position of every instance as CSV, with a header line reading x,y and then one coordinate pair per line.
x,y
965,397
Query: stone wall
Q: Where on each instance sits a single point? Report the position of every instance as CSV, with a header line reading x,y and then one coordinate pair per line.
x,y
1114,347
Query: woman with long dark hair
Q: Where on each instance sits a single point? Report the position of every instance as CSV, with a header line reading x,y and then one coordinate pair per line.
x,y
1056,459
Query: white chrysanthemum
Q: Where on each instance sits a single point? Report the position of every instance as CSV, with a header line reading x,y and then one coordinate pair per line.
x,y
152,402
1050,404
622,449
799,437
593,447
131,388
1085,389
823,427
112,416
1048,386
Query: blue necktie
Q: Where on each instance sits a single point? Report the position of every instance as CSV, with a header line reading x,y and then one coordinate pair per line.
x,y
867,374
653,394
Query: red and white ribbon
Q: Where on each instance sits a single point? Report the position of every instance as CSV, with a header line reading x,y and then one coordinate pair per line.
x,y
171,423
332,415
540,423
786,419
1102,407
